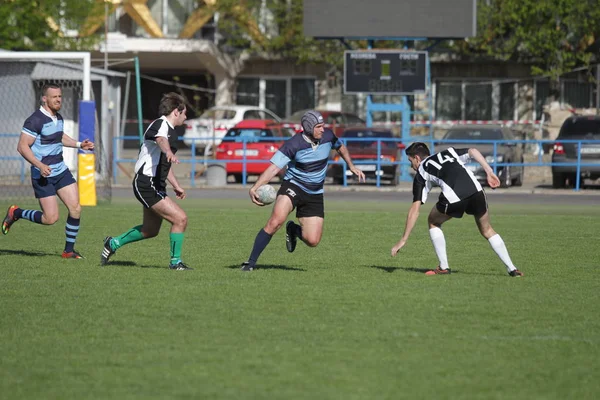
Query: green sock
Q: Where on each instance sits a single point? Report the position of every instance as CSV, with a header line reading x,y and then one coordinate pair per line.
x,y
176,245
132,235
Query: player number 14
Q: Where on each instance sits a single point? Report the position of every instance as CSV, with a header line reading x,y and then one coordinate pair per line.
x,y
441,159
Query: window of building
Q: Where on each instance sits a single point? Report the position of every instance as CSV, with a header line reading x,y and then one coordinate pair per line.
x,y
507,101
247,93
478,101
448,101
283,96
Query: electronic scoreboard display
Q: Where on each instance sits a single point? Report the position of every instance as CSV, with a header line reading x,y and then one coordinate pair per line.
x,y
385,72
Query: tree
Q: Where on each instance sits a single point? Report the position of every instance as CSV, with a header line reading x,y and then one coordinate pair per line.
x,y
40,25
554,36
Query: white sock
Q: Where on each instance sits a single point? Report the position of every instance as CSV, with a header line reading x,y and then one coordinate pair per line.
x,y
500,248
439,244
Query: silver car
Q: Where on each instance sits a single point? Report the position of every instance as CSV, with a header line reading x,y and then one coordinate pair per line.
x,y
467,136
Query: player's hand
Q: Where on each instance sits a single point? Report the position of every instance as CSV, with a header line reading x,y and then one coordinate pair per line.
x,y
171,158
493,180
254,196
45,170
87,145
179,193
397,247
359,174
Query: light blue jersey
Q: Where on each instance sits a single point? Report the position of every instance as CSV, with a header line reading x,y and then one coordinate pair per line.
x,y
48,147
307,162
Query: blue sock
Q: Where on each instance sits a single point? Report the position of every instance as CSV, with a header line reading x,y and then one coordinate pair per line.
x,y
71,230
29,215
261,241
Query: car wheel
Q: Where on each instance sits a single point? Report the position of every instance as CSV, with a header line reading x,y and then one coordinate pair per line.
x,y
505,181
238,178
518,181
559,180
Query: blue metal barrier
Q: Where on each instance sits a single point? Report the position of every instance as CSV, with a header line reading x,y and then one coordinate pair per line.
x,y
379,162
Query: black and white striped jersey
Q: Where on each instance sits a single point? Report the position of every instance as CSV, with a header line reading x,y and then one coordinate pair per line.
x,y
152,161
447,170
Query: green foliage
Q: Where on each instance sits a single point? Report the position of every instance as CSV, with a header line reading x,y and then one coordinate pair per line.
x,y
554,36
38,25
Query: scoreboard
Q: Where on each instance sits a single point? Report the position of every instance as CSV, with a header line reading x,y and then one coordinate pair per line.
x,y
385,72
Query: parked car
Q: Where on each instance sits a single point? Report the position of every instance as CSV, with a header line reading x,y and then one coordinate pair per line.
x,y
505,152
366,150
337,121
576,128
263,139
218,120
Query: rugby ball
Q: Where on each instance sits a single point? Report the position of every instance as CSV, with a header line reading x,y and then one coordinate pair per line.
x,y
266,194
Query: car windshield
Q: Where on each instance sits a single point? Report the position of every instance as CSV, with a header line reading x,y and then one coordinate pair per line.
x,y
238,133
295,117
353,119
474,134
580,126
368,134
218,114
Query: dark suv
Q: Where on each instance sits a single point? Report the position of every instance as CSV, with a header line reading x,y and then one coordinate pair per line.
x,y
576,128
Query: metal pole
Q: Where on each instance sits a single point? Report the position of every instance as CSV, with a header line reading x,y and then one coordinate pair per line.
x,y
105,35
125,104
597,89
138,88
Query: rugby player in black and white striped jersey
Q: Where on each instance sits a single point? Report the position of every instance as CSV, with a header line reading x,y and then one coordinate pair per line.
x,y
461,193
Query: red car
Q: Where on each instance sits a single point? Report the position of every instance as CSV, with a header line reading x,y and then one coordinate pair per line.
x,y
262,137
337,121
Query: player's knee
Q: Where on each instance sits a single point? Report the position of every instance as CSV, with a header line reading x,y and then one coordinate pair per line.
x,y
312,241
273,225
75,211
49,219
148,234
182,220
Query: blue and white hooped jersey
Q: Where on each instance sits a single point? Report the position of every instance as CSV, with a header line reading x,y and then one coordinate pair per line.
x,y
307,162
48,148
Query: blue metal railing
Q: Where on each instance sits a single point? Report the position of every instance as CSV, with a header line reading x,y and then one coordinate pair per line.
x,y
401,162
380,161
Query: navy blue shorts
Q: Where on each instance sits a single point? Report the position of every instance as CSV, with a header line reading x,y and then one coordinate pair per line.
x,y
46,187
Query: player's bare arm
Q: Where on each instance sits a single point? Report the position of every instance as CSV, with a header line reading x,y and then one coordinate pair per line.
x,y
263,179
24,148
163,143
179,191
68,141
345,154
492,179
411,220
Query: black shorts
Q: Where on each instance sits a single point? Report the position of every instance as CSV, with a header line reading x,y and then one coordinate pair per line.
x,y
473,205
146,191
48,186
306,205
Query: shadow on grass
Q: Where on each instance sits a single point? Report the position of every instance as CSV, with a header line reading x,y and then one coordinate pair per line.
x,y
270,266
121,264
408,269
26,253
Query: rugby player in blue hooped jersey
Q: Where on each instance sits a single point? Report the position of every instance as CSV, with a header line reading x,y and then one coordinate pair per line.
x,y
41,143
306,156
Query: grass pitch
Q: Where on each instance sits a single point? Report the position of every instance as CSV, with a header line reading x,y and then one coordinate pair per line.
x,y
340,321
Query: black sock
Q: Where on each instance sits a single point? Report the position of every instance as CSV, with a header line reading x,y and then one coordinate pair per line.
x,y
298,231
261,241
